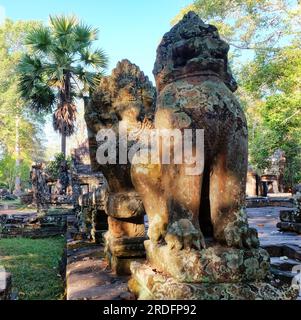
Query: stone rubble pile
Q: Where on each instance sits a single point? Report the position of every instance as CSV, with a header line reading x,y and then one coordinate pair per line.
x,y
290,220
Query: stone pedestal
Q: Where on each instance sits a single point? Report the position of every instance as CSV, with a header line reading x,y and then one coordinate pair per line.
x,y
215,273
85,216
216,264
99,225
148,284
121,252
92,218
124,242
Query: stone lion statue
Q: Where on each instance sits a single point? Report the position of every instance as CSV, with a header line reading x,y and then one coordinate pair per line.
x,y
127,96
195,91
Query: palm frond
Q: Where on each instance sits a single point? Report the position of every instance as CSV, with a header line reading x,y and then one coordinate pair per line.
x,y
31,72
63,25
30,65
67,45
84,35
42,98
97,59
32,85
96,81
25,86
89,80
55,75
40,39
62,58
60,69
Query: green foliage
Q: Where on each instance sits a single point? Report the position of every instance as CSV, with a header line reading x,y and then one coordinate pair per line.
x,y
61,67
12,35
273,80
266,57
9,171
53,167
34,265
249,24
13,112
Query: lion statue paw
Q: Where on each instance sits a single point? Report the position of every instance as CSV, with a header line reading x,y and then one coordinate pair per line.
x,y
182,234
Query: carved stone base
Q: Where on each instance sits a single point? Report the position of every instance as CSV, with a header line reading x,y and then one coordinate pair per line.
x,y
216,264
148,284
125,205
122,266
126,227
120,252
99,225
126,246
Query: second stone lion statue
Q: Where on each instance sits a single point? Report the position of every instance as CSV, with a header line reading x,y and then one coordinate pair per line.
x,y
195,91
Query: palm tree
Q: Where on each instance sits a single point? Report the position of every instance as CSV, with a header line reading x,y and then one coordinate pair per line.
x,y
61,67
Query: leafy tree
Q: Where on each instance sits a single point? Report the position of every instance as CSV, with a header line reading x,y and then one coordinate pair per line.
x,y
12,35
264,37
250,24
53,167
272,82
9,171
20,129
61,68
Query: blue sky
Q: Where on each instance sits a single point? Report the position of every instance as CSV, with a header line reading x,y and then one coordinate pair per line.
x,y
129,29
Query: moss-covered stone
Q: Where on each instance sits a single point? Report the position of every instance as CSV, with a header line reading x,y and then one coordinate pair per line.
x,y
216,264
147,284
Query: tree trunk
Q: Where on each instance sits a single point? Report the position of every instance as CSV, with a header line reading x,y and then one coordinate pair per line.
x,y
65,98
17,190
63,144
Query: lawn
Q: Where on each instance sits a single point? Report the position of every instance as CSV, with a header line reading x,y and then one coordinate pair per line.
x,y
33,264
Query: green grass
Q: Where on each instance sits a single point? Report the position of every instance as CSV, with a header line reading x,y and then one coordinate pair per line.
x,y
33,264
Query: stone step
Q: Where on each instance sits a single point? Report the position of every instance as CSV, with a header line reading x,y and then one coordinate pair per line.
x,y
284,276
257,202
279,250
284,265
88,276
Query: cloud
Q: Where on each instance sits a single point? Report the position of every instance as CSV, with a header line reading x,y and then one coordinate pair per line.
x,y
2,14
